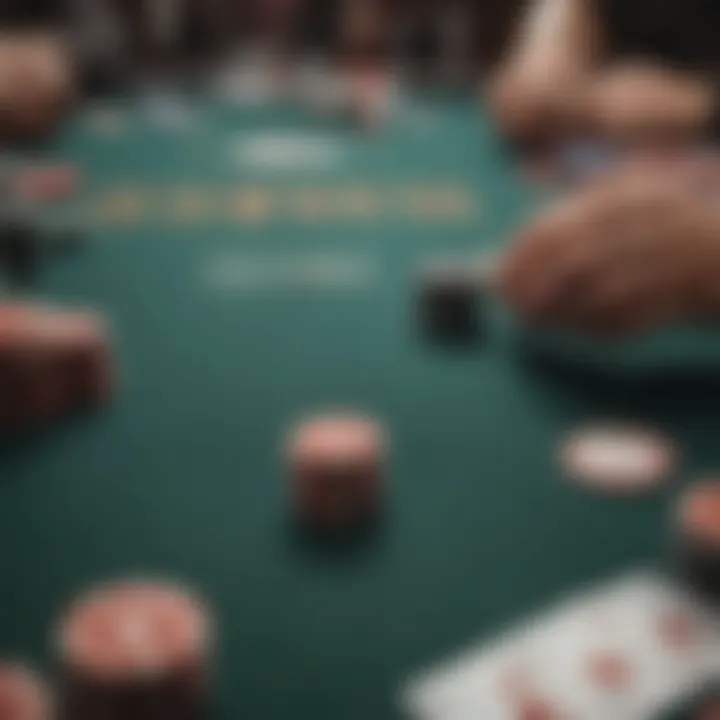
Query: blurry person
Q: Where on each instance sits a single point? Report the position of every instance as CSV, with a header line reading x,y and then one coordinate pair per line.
x,y
436,39
629,70
36,73
37,82
99,34
318,26
176,35
276,23
456,27
422,39
32,13
638,248
276,29
365,41
554,52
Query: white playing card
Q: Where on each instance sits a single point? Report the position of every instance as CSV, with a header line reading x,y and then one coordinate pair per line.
x,y
623,651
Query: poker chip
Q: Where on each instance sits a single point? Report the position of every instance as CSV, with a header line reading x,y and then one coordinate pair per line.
x,y
135,648
698,538
449,302
335,463
700,513
23,694
134,629
48,184
618,458
54,362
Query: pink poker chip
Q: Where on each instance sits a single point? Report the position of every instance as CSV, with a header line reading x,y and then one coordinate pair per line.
x,y
336,439
336,464
134,629
618,458
23,695
699,513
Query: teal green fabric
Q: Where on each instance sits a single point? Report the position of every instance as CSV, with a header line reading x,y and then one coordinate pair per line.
x,y
183,475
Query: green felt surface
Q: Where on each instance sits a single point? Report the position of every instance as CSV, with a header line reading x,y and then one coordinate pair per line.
x,y
183,476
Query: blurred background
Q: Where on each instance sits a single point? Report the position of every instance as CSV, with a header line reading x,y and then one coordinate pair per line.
x,y
69,49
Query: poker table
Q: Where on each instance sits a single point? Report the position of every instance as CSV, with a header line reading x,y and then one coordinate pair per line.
x,y
247,290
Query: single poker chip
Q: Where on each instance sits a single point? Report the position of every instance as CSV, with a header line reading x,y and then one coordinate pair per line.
x,y
336,463
38,326
699,514
448,302
337,438
132,630
48,184
698,538
622,459
23,694
135,648
60,360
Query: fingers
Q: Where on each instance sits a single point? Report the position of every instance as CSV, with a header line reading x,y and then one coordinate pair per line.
x,y
553,259
529,105
615,259
636,103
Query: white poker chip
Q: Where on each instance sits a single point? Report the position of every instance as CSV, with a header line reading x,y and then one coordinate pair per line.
x,y
624,459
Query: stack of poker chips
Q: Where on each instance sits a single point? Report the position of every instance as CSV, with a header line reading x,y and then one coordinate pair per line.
x,y
336,464
135,649
52,363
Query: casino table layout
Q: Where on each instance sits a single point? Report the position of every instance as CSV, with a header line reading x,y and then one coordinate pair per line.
x,y
248,287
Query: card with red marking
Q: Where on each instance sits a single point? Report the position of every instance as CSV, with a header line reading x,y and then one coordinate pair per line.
x,y
626,651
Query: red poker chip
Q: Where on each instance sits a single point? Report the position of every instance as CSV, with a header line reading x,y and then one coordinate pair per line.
x,y
622,459
40,327
48,184
336,463
54,361
336,439
699,513
23,695
134,631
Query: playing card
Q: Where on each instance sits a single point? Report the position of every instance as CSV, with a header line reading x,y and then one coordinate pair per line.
x,y
623,651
